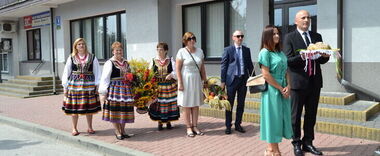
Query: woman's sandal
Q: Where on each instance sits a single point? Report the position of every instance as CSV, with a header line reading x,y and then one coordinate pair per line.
x,y
190,133
75,133
268,152
198,132
90,131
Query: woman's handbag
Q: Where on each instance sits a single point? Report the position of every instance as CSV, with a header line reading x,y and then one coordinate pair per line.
x,y
257,84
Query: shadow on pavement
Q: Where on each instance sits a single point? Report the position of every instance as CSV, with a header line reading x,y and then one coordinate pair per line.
x,y
350,149
15,144
179,130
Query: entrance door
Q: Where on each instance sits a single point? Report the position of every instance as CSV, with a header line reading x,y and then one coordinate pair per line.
x,y
283,13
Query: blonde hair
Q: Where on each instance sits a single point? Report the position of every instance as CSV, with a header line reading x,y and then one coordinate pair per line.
x,y
186,36
116,45
76,42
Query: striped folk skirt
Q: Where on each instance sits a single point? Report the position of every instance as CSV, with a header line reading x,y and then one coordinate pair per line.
x,y
165,109
81,97
119,107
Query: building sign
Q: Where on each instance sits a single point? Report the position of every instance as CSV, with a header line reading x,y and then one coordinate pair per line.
x,y
58,22
37,20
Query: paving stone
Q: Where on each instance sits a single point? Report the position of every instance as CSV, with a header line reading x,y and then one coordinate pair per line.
x,y
46,111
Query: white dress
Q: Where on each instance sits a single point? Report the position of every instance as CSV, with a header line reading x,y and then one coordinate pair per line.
x,y
192,95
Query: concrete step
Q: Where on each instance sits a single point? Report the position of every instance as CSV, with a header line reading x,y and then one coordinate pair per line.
x,y
357,111
334,98
27,92
34,82
38,78
12,94
29,87
366,130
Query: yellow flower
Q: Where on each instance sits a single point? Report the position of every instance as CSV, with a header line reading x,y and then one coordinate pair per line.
x,y
212,81
147,86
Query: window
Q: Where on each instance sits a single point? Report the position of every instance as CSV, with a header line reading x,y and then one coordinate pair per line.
x,y
283,13
34,44
213,23
4,62
100,32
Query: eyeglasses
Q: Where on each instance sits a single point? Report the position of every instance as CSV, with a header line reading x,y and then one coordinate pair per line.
x,y
160,49
239,36
192,38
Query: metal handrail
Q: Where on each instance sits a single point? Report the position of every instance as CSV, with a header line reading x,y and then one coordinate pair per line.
x,y
38,66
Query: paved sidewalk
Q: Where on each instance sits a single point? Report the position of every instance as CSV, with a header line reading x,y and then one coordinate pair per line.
x,y
31,144
46,111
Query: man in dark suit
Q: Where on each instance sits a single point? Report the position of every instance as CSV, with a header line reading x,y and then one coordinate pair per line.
x,y
235,70
305,85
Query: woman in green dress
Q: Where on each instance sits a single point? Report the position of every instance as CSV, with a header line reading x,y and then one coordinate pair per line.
x,y
275,109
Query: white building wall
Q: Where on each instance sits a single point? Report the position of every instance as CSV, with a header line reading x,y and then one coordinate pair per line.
x,y
27,67
361,29
12,56
328,27
142,25
142,21
361,43
257,18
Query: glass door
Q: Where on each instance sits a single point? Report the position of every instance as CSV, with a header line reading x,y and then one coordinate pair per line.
x,y
283,13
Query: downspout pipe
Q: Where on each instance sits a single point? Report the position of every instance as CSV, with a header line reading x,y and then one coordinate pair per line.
x,y
52,50
340,62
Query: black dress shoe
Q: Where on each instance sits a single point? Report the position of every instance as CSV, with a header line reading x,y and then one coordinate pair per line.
x,y
119,137
239,129
297,149
169,125
311,149
160,126
228,130
125,136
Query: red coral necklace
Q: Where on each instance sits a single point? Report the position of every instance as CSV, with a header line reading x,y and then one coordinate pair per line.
x,y
82,60
122,64
162,62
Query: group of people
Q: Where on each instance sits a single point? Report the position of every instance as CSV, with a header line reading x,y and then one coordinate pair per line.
x,y
86,88
180,83
290,88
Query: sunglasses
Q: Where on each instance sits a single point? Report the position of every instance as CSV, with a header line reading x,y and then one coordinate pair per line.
x,y
192,38
239,36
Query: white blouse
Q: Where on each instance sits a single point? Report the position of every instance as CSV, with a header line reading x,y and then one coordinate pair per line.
x,y
67,71
106,77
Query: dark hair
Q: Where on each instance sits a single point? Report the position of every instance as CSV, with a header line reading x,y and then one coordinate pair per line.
x,y
163,45
267,39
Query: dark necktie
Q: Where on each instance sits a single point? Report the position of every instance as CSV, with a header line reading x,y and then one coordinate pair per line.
x,y
306,39
237,54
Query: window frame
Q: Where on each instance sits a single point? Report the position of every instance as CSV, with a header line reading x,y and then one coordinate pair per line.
x,y
103,16
285,5
28,44
203,6
2,56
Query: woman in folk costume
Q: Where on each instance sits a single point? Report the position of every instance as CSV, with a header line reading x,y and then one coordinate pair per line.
x,y
80,79
165,109
116,92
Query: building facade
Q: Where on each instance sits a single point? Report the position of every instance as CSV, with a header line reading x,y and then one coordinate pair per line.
x,y
44,31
